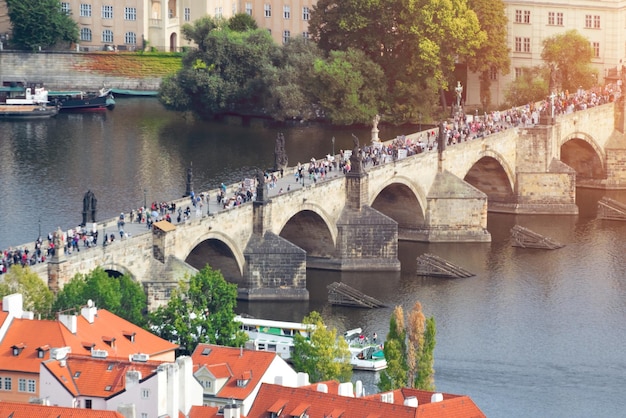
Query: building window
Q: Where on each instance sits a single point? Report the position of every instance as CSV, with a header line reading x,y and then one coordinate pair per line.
x,y
493,74
85,10
145,393
107,12
206,383
286,36
596,49
85,34
144,415
268,10
551,20
130,13
107,36
559,19
305,36
306,13
130,38
88,403
249,9
8,383
187,14
526,16
65,8
588,21
287,12
526,44
31,385
518,44
596,22
518,16
519,72
21,385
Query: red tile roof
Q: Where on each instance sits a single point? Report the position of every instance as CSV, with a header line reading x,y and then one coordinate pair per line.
x,y
205,412
239,362
24,410
330,404
37,334
102,378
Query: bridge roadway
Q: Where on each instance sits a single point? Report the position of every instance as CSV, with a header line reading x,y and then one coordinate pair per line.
x,y
353,222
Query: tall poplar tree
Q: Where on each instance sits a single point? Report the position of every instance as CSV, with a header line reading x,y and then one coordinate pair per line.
x,y
409,351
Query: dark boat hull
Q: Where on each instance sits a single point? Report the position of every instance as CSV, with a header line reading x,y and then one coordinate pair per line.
x,y
10,114
89,103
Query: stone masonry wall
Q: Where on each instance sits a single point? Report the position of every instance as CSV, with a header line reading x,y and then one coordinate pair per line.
x,y
88,71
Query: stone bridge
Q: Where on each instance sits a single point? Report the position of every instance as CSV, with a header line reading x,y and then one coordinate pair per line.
x,y
354,222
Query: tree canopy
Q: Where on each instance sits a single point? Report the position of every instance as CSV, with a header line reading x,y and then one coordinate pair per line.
x,y
323,355
36,295
530,87
121,296
409,351
416,43
40,23
493,54
200,311
568,58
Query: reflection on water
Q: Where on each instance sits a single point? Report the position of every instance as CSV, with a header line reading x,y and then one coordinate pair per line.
x,y
533,333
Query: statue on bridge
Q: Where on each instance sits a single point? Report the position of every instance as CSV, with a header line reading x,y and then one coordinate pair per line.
x,y
89,207
280,155
356,163
189,184
260,186
459,93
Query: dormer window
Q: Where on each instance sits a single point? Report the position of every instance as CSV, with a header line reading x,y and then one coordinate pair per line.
x,y
130,335
41,351
88,346
110,341
244,379
17,348
206,351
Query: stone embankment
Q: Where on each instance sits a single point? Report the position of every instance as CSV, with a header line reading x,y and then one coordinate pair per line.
x,y
88,71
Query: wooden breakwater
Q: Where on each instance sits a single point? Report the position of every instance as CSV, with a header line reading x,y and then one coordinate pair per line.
x,y
525,238
344,295
431,265
611,209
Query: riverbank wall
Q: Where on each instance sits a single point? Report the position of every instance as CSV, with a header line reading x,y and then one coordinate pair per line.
x,y
88,71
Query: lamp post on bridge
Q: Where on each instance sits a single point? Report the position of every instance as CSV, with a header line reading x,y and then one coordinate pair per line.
x,y
39,236
145,192
419,118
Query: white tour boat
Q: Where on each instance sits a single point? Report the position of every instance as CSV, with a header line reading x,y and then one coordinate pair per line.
x,y
278,336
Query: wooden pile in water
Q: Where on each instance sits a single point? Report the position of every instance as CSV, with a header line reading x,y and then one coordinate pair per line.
x,y
342,294
525,238
611,209
431,265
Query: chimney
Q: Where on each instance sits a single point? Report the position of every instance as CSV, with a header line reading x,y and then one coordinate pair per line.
x,y
437,397
89,312
232,411
70,322
132,378
346,389
322,387
13,304
411,401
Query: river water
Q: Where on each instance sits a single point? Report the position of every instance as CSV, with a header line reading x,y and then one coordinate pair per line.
x,y
533,333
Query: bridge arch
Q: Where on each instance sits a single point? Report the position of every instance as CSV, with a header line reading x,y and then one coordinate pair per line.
x,y
403,201
117,270
581,152
220,248
311,228
492,175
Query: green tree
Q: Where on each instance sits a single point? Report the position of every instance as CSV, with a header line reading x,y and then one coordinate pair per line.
x,y
415,42
224,74
121,296
493,55
40,23
35,293
323,355
350,87
530,87
568,58
242,22
200,311
395,375
409,351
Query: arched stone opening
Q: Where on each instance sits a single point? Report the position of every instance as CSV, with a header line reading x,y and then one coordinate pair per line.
x,y
583,157
173,42
307,230
219,256
401,204
489,176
